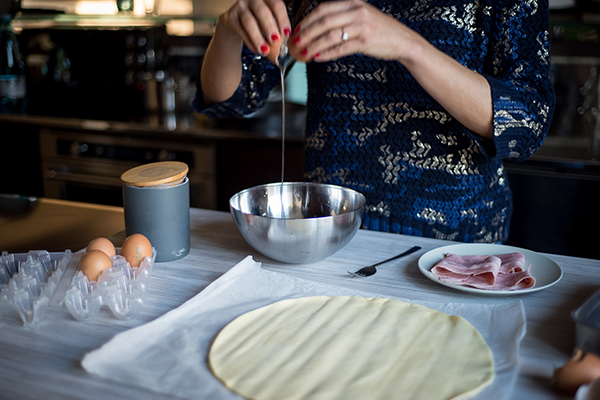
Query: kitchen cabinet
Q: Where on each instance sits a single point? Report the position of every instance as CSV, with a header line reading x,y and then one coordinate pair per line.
x,y
83,166
557,191
555,208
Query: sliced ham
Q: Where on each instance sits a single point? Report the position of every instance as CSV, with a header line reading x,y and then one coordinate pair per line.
x,y
458,268
515,280
512,262
496,272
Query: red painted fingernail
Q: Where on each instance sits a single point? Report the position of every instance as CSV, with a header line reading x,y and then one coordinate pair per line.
x,y
297,29
274,37
297,40
287,32
304,52
264,48
316,55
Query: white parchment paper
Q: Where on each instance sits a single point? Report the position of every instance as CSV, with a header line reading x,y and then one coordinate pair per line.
x,y
170,353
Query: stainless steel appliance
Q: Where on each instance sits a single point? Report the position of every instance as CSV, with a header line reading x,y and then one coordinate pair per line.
x,y
87,167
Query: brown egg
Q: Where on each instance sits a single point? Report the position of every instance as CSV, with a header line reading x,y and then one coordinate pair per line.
x,y
135,248
274,50
582,368
93,263
102,244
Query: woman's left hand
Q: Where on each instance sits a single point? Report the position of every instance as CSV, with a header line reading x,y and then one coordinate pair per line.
x,y
339,28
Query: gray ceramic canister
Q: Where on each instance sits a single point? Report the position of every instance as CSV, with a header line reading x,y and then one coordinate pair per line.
x,y
156,200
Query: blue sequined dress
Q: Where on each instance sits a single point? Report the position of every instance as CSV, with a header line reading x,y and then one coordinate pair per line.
x,y
371,127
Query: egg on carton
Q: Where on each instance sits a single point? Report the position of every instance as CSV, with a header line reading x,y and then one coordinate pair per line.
x,y
121,287
107,277
84,281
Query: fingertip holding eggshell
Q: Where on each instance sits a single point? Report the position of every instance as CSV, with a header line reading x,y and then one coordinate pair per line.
x,y
296,53
580,369
274,49
102,244
93,263
135,248
274,52
299,53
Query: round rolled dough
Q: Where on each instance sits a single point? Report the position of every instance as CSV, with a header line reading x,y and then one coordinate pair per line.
x,y
351,348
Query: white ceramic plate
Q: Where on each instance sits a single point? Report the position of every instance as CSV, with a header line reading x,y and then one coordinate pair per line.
x,y
545,271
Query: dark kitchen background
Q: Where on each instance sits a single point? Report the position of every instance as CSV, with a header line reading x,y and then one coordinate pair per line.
x,y
108,90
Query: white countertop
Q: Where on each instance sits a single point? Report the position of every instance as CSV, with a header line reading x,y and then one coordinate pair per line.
x,y
43,361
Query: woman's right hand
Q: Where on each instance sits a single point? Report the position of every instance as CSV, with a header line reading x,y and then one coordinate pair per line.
x,y
260,24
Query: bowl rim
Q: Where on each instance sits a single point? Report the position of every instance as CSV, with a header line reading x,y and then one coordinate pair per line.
x,y
361,196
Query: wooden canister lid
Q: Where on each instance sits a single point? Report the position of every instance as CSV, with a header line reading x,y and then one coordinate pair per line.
x,y
159,173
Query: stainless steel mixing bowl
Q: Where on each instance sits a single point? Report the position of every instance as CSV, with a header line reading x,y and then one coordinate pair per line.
x,y
297,222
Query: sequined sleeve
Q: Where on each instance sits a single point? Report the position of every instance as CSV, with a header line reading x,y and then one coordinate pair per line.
x,y
522,95
259,76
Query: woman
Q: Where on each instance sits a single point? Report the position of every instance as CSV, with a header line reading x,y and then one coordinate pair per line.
x,y
412,103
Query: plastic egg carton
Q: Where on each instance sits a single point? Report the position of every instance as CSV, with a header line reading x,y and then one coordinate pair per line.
x,y
28,282
121,288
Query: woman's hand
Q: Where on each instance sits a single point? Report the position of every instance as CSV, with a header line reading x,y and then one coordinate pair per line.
x,y
339,28
258,23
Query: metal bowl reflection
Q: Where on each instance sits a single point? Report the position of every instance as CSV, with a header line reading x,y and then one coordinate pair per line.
x,y
297,222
